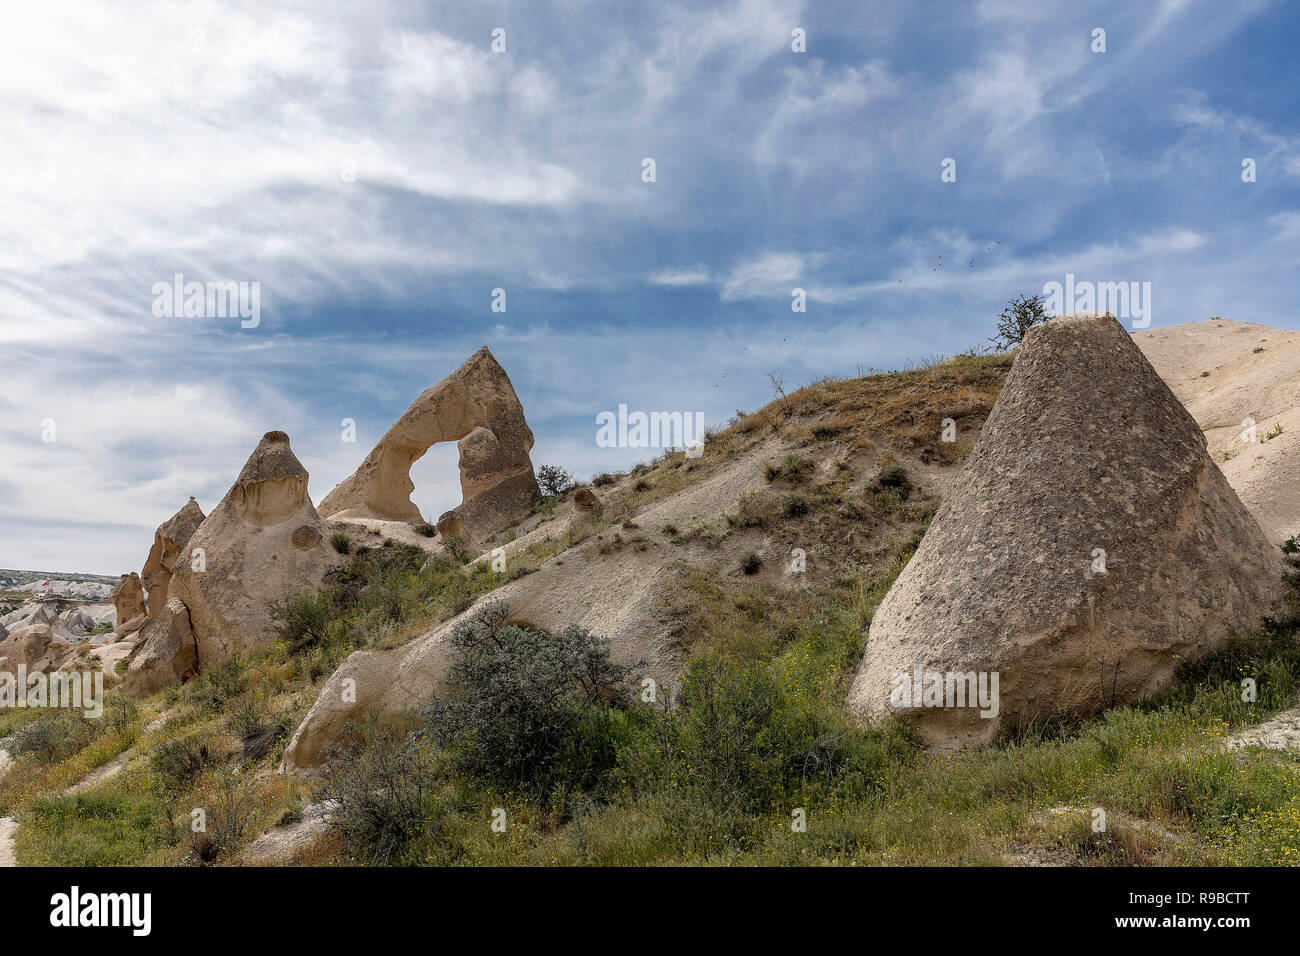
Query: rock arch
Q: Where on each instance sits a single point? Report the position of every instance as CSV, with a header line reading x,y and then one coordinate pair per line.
x,y
476,407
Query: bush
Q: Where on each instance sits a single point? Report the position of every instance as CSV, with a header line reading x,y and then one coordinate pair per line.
x,y
53,735
603,479
381,791
425,529
897,478
219,684
229,811
530,709
1021,314
554,480
755,509
301,620
794,505
342,543
745,736
750,562
455,545
256,729
178,761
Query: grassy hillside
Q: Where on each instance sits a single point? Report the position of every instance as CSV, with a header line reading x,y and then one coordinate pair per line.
x,y
552,754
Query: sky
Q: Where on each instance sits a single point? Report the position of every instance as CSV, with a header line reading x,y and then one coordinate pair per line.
x,y
379,169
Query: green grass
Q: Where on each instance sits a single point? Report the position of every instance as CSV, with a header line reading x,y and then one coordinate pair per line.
x,y
760,738
95,830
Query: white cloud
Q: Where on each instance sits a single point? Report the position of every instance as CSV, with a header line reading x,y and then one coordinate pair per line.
x,y
769,274
691,275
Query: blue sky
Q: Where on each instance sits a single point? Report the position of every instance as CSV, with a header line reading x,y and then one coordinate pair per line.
x,y
211,139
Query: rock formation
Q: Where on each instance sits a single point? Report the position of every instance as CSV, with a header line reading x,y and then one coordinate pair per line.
x,y
475,406
77,621
617,595
1241,382
165,653
1087,547
586,500
264,542
168,542
36,647
128,599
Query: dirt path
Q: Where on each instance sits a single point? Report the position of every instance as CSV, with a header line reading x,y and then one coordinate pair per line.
x,y
280,845
1280,733
9,826
114,766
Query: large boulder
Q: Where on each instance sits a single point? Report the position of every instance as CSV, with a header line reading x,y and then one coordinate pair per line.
x,y
168,542
164,654
1088,546
36,647
128,599
475,406
264,542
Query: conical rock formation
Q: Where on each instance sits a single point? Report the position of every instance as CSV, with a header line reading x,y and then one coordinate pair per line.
x,y
168,542
262,543
1088,545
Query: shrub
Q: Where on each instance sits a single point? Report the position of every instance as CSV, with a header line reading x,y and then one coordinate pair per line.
x,y
746,735
381,790
231,808
119,711
455,545
342,543
792,467
301,620
425,529
256,729
178,761
219,684
53,735
554,480
895,477
530,708
750,562
794,505
603,479
1020,315
755,509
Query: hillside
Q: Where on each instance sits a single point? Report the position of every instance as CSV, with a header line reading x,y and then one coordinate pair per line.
x,y
744,578
1230,375
85,587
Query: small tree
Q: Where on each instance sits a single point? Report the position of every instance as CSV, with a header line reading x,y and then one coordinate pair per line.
x,y
553,480
1021,314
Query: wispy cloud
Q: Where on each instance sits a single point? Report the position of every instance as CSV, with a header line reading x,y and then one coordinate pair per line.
x,y
380,170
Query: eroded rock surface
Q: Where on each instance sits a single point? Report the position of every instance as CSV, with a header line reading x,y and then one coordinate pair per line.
x,y
264,542
1087,547
168,542
165,653
128,599
476,407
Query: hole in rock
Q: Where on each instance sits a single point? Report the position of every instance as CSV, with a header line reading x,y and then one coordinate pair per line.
x,y
436,476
